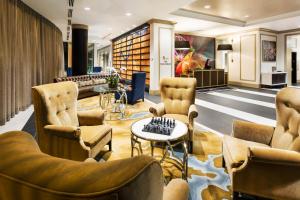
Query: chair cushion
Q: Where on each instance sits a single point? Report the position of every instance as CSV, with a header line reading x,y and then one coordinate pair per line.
x,y
235,150
182,118
91,135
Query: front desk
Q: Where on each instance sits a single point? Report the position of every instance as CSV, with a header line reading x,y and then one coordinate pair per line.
x,y
211,78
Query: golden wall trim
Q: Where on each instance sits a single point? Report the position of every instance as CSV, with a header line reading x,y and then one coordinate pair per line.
x,y
251,85
248,31
79,26
161,21
289,31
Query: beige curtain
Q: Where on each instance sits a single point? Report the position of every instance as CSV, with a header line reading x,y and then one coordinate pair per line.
x,y
31,53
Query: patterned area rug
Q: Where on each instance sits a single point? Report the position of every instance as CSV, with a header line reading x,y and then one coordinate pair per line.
x,y
206,177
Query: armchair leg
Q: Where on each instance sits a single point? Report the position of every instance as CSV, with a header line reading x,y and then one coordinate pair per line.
x,y
110,146
223,162
190,146
235,195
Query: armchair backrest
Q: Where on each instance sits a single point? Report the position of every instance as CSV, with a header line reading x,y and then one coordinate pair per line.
x,y
287,131
138,81
58,102
54,104
178,94
27,173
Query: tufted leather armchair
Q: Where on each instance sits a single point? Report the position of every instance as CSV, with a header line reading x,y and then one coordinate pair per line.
x,y
265,161
178,98
61,130
28,174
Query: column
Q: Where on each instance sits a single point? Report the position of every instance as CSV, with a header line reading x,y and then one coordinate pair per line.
x,y
79,49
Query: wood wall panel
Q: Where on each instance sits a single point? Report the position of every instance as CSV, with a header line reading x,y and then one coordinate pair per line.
x,y
248,58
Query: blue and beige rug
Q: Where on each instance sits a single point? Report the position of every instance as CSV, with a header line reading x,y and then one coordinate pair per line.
x,y
206,177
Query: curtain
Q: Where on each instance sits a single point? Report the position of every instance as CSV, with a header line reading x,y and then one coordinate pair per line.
x,y
31,53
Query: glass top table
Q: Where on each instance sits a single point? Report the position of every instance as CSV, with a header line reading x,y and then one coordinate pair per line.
x,y
106,94
105,89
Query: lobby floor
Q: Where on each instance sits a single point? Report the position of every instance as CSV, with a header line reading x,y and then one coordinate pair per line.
x,y
218,108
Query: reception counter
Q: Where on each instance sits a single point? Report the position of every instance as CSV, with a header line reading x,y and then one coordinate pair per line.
x,y
210,78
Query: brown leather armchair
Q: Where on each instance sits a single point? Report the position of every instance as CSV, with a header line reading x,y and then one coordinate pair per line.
x,y
61,130
178,98
265,161
28,174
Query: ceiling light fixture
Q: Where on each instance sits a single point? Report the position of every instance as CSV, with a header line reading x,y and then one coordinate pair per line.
x,y
87,8
128,14
207,6
246,16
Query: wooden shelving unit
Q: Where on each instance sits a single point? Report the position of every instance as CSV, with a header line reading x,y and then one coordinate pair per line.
x,y
132,51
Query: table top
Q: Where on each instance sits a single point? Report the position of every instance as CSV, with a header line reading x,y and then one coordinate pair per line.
x,y
105,89
179,131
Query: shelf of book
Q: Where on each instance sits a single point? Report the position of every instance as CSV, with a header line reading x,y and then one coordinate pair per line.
x,y
132,52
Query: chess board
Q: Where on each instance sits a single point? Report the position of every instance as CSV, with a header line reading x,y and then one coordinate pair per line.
x,y
160,125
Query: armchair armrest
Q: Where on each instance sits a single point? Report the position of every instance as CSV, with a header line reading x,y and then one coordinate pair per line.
x,y
91,117
177,189
157,110
193,112
252,132
274,156
69,132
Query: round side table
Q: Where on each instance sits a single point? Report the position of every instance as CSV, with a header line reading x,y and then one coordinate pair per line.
x,y
178,136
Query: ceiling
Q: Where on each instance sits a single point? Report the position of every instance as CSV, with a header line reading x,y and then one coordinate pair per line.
x,y
244,10
107,19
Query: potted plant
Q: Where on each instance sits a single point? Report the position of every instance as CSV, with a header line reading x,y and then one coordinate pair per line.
x,y
112,81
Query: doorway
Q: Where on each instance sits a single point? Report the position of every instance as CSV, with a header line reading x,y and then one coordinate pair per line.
x,y
294,67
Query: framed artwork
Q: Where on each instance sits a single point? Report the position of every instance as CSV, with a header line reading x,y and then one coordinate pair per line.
x,y
200,54
269,51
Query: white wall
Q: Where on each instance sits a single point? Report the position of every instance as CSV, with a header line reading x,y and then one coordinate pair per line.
x,y
266,67
283,55
248,56
161,53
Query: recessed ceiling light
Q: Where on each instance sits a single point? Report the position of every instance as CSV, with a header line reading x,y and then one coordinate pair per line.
x,y
207,6
246,16
128,14
87,8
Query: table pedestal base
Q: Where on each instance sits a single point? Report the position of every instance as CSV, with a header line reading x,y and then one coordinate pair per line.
x,y
168,148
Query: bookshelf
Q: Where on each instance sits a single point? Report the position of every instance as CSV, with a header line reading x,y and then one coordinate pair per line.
x,y
132,51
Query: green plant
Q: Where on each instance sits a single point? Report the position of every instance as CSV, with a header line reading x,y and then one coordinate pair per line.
x,y
112,81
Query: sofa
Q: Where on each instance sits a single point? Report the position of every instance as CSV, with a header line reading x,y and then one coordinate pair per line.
x,y
265,161
178,102
28,174
63,131
85,83
136,88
